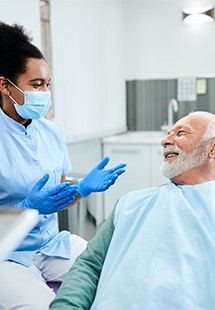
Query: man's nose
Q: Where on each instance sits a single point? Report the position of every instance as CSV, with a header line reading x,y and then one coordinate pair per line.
x,y
167,140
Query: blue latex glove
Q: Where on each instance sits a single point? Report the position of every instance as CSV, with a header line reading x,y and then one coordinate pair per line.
x,y
50,200
98,179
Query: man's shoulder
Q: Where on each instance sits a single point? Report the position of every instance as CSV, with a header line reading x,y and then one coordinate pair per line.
x,y
137,202
143,193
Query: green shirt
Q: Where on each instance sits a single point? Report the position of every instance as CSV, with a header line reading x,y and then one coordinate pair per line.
x,y
79,287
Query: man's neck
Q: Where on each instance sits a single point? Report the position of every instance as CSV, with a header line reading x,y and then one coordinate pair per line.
x,y
196,176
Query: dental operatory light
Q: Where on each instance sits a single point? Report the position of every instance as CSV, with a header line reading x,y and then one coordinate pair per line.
x,y
198,15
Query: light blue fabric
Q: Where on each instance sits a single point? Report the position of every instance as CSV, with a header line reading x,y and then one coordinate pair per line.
x,y
26,155
162,254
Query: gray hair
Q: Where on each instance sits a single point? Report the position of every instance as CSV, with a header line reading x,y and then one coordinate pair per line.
x,y
210,132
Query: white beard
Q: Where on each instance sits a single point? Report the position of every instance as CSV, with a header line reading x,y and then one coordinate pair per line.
x,y
184,162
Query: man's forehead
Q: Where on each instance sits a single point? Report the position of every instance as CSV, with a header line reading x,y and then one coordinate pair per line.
x,y
192,122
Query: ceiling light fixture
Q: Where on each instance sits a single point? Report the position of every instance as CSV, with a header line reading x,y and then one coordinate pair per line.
x,y
198,15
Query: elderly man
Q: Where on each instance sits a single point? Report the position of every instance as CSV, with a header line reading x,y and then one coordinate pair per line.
x,y
156,251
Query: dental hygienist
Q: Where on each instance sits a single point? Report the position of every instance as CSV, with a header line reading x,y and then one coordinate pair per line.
x,y
34,162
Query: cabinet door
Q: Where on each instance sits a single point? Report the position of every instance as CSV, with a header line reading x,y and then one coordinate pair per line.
x,y
156,160
137,175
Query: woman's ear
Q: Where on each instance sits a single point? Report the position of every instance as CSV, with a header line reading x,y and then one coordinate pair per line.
x,y
212,149
4,89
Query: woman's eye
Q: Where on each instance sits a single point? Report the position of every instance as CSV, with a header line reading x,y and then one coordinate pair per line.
x,y
37,86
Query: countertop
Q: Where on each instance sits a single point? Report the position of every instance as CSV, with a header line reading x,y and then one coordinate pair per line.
x,y
135,137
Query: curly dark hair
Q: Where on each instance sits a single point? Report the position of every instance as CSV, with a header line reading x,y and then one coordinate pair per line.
x,y
15,49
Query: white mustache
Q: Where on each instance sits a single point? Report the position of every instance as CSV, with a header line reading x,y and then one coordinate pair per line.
x,y
173,149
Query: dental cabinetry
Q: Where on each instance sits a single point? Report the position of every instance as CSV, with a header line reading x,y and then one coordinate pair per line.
x,y
142,152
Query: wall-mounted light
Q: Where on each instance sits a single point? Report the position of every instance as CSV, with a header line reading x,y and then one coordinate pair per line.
x,y
198,15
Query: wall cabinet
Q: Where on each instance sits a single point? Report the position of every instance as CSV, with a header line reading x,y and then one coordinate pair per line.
x,y
142,152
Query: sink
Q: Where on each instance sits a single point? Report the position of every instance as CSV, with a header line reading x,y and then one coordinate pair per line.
x,y
172,107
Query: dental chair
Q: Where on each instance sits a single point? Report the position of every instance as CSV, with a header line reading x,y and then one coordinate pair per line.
x,y
54,286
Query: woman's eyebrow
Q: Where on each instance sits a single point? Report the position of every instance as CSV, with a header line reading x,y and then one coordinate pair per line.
x,y
37,79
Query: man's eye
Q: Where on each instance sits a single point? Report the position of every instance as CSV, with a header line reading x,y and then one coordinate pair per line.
x,y
181,133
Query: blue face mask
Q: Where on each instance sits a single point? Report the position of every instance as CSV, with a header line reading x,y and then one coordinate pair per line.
x,y
36,103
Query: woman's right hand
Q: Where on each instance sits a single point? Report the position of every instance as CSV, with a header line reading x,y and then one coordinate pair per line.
x,y
50,200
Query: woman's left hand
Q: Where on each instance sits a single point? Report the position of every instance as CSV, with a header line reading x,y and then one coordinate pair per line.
x,y
98,179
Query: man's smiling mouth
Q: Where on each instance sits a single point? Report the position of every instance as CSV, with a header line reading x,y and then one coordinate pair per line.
x,y
170,154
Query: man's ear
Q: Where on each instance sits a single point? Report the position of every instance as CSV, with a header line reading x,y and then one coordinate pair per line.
x,y
4,89
212,149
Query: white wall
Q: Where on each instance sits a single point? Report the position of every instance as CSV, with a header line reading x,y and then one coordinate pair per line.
x,y
159,45
23,12
98,44
89,86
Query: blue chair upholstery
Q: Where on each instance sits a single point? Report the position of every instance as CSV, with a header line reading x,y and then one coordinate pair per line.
x,y
54,285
